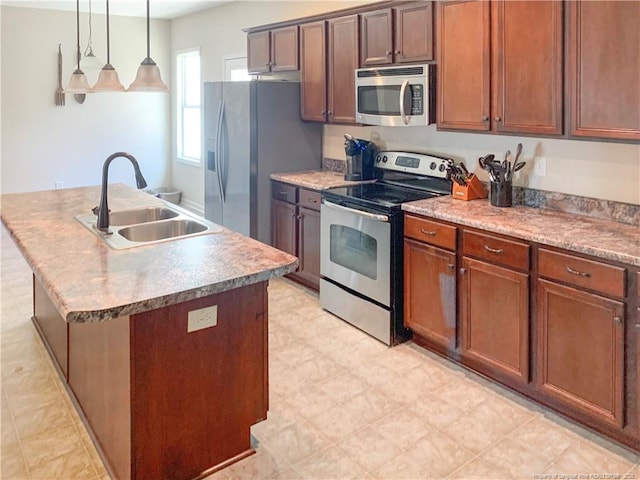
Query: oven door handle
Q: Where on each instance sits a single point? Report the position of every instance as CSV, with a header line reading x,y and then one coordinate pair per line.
x,y
371,216
403,113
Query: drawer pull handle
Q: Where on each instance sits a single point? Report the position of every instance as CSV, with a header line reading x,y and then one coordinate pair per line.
x,y
498,251
576,272
283,192
428,232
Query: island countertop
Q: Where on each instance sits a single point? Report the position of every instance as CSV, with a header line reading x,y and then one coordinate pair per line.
x,y
315,179
89,281
579,233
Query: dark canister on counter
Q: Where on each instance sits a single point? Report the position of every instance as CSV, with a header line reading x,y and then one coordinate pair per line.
x,y
501,194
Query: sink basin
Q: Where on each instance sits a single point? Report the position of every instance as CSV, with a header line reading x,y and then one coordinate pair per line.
x,y
150,232
141,215
149,225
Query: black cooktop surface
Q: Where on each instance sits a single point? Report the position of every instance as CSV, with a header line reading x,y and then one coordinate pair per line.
x,y
378,194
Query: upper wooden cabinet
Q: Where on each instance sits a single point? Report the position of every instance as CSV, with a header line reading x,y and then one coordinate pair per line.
x,y
500,66
402,34
273,51
604,69
329,53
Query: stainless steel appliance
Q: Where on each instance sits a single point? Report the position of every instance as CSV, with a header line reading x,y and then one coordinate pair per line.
x,y
396,96
360,158
253,129
361,239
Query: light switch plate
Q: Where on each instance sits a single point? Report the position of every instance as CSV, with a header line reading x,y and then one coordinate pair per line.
x,y
202,318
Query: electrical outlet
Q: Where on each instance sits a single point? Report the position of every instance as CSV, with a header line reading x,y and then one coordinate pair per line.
x,y
539,167
59,184
202,318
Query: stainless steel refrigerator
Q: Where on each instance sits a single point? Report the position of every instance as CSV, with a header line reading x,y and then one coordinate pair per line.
x,y
253,129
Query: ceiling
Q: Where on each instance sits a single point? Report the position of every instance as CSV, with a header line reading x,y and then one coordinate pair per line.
x,y
166,9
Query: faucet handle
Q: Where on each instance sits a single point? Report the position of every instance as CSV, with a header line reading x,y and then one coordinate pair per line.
x,y
95,210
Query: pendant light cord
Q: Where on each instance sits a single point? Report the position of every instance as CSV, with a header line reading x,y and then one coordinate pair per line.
x,y
148,41
78,29
108,53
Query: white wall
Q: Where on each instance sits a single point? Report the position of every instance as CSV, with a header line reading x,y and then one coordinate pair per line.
x,y
43,143
218,33
604,170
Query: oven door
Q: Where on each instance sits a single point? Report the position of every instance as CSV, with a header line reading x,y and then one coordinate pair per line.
x,y
355,250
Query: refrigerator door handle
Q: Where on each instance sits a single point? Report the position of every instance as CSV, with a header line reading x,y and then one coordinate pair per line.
x,y
224,159
219,150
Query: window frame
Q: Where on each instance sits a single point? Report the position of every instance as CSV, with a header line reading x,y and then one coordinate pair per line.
x,y
180,106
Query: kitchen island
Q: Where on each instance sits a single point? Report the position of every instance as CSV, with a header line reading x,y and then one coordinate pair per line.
x,y
159,401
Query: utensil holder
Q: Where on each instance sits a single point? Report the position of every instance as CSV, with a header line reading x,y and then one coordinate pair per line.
x,y
501,194
473,190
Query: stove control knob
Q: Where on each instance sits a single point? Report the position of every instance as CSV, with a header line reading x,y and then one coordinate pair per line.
x,y
384,159
442,168
432,166
378,158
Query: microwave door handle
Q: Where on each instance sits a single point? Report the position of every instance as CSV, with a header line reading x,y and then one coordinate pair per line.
x,y
403,92
371,216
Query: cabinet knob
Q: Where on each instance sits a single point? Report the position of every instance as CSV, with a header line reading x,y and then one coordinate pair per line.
x,y
322,112
498,119
617,320
463,270
397,52
485,118
451,266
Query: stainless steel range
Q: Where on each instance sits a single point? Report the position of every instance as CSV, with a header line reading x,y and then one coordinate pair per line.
x,y
361,259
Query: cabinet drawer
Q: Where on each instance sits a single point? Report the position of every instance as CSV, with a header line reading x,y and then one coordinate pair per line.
x,y
283,191
496,249
309,199
597,276
434,233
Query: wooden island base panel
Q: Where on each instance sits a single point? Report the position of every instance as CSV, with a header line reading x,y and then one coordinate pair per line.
x,y
161,402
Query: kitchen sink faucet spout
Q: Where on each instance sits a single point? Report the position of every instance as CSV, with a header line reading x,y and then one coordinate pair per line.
x,y
103,209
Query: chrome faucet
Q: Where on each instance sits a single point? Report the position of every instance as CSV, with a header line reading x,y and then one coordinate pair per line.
x,y
103,209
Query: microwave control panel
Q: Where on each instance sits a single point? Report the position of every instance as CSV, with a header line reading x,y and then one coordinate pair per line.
x,y
417,99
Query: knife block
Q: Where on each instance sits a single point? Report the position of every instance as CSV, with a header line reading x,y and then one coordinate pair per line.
x,y
472,191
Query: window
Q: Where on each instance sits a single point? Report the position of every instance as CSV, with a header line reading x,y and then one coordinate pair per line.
x,y
189,123
235,69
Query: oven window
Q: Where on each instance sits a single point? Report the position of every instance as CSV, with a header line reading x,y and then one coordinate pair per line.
x,y
379,100
354,250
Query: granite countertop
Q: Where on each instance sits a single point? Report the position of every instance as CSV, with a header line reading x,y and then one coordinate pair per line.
x,y
606,239
88,281
315,179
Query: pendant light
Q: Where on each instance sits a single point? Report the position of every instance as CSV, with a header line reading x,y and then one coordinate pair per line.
x,y
78,82
148,78
108,80
90,60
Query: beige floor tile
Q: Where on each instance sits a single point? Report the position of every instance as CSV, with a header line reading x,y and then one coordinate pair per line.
x,y
370,405
71,466
42,421
369,449
403,467
343,387
338,422
435,411
481,470
438,454
289,474
276,421
12,463
544,437
518,461
464,393
402,428
592,460
41,448
310,401
329,464
262,464
296,442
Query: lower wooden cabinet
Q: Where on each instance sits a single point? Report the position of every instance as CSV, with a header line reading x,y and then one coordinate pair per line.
x,y
430,292
495,319
581,350
295,229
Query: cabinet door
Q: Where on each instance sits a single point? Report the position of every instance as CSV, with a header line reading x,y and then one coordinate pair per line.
x,y
463,65
283,226
313,78
495,319
259,52
581,350
284,49
377,37
527,67
343,54
604,69
430,292
413,33
309,246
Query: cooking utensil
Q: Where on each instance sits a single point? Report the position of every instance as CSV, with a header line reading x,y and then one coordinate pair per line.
x,y
59,97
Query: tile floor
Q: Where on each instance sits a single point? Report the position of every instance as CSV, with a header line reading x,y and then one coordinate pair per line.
x,y
342,406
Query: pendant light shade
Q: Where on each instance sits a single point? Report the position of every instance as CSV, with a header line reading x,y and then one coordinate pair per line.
x,y
108,80
148,78
78,82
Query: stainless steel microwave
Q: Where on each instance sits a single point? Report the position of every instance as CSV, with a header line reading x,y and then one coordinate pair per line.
x,y
396,96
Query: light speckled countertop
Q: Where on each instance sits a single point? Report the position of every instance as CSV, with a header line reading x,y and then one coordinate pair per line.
x,y
601,238
314,179
88,281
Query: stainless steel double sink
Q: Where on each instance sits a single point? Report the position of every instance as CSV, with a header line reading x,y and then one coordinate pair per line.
x,y
149,225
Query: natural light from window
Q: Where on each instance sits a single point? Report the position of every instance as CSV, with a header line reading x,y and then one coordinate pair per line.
x,y
189,128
